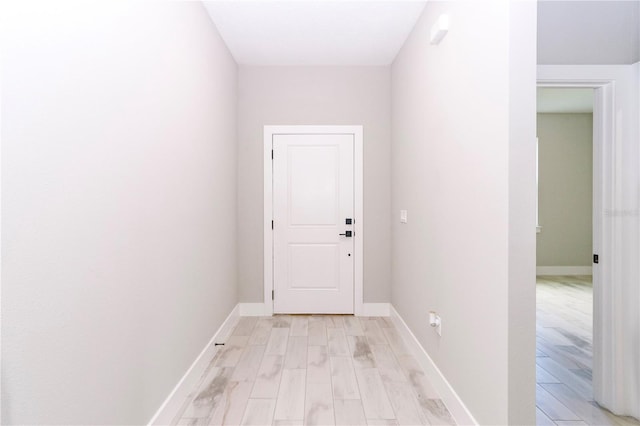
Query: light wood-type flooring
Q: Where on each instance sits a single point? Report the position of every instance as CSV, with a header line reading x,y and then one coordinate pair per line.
x,y
314,370
564,352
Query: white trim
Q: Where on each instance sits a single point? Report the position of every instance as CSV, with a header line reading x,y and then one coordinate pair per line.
x,y
358,194
252,309
564,270
376,310
449,397
170,408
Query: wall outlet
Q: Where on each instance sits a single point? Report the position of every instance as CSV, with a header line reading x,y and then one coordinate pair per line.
x,y
436,322
403,216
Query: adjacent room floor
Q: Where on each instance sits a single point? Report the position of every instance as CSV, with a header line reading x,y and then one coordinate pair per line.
x,y
564,354
314,370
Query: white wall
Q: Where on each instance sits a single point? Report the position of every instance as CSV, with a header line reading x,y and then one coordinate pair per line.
x,y
118,194
565,202
314,95
463,165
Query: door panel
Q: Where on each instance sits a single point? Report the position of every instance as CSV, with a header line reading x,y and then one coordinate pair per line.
x,y
313,195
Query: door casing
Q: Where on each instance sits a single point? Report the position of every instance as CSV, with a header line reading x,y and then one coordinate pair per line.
x,y
357,132
611,135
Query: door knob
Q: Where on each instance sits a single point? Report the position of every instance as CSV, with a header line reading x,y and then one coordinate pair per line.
x,y
347,233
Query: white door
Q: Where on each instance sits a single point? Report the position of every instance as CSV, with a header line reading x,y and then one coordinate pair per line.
x,y
313,202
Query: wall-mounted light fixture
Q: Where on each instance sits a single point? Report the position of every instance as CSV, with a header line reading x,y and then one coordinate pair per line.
x,y
440,29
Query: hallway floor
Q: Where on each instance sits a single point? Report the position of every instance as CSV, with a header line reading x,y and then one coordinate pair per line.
x,y
564,394
314,370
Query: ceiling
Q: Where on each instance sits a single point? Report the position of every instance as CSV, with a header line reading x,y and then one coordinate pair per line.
x,y
314,32
561,100
588,32
371,32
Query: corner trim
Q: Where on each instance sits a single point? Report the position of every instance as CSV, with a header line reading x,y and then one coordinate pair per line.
x,y
564,270
170,408
450,398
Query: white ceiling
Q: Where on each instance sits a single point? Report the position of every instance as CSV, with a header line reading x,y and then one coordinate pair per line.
x,y
314,32
588,32
561,100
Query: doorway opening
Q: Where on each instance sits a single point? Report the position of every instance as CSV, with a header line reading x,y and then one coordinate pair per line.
x,y
572,130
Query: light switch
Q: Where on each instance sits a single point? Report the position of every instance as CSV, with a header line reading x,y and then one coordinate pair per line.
x,y
403,216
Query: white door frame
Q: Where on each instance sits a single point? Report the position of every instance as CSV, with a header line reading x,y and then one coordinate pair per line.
x,y
612,173
358,177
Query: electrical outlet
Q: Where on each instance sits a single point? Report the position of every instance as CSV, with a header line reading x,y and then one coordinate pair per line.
x,y
436,322
403,216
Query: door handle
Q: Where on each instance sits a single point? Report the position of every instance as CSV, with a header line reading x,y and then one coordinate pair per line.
x,y
347,233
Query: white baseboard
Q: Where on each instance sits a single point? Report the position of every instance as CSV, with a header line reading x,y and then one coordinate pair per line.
x,y
564,270
252,309
450,398
171,406
368,309
375,309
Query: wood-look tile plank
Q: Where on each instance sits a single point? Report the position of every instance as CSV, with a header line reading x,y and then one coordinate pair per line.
x,y
318,365
373,332
317,333
245,326
373,394
343,379
565,376
277,343
234,401
247,368
543,376
553,408
281,321
296,355
210,393
259,412
334,321
587,411
337,342
261,332
436,412
382,422
349,412
361,352
385,322
404,403
542,419
352,326
396,342
291,395
387,364
319,405
422,387
299,326
230,353
268,377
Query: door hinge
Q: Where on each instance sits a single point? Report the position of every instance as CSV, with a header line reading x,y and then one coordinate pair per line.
x,y
596,258
273,293
272,224
272,154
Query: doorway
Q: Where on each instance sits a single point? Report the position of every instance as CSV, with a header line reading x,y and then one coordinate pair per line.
x,y
574,334
313,219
